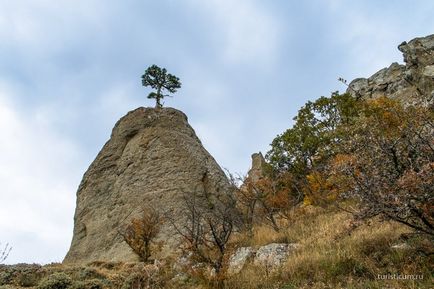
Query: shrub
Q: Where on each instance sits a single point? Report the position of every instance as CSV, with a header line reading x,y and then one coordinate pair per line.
x,y
141,232
134,281
90,273
90,284
5,277
211,220
28,278
388,165
55,281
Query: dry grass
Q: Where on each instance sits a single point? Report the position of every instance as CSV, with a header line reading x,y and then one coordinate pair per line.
x,y
329,257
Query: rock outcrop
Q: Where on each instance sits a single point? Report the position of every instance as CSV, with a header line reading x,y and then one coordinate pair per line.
x,y
273,255
153,157
256,172
270,257
239,259
412,83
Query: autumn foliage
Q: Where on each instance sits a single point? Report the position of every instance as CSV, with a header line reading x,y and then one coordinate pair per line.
x,y
267,199
141,232
388,165
378,153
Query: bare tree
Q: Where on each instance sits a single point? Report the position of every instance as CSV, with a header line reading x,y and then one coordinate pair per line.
x,y
210,221
4,253
247,201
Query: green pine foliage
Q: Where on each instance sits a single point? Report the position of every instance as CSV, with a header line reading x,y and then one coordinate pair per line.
x,y
158,79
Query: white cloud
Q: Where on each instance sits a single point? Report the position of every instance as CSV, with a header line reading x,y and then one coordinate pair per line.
x,y
39,173
250,33
334,5
44,26
372,44
371,32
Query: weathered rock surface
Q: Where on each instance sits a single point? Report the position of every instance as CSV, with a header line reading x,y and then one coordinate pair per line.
x,y
256,172
271,257
410,83
239,259
153,157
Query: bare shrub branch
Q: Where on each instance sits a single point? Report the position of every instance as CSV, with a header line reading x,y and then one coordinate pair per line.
x,y
211,220
389,164
4,253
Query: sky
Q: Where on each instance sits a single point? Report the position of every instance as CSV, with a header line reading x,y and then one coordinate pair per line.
x,y
69,69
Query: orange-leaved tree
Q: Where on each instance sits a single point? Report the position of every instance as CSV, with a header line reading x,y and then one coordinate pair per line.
x,y
141,232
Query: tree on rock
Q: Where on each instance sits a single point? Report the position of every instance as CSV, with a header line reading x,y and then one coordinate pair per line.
x,y
159,79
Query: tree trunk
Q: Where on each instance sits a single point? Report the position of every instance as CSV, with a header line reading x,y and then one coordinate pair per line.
x,y
158,97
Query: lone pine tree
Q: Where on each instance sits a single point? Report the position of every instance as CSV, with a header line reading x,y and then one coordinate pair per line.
x,y
159,79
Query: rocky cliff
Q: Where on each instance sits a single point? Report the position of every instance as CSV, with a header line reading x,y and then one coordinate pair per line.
x,y
410,83
153,157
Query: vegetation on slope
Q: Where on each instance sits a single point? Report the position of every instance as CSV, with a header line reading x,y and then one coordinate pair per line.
x,y
351,183
328,257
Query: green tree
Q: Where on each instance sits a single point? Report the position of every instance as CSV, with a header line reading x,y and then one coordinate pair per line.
x,y
159,79
314,139
376,152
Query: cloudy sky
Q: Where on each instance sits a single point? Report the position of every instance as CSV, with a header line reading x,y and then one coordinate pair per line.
x,y
69,69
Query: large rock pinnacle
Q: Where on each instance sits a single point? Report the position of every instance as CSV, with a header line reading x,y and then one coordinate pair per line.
x,y
153,157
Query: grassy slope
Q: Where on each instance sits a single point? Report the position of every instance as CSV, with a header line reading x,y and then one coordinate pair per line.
x,y
328,257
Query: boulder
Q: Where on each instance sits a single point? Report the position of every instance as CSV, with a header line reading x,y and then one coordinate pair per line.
x,y
273,256
239,259
429,71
